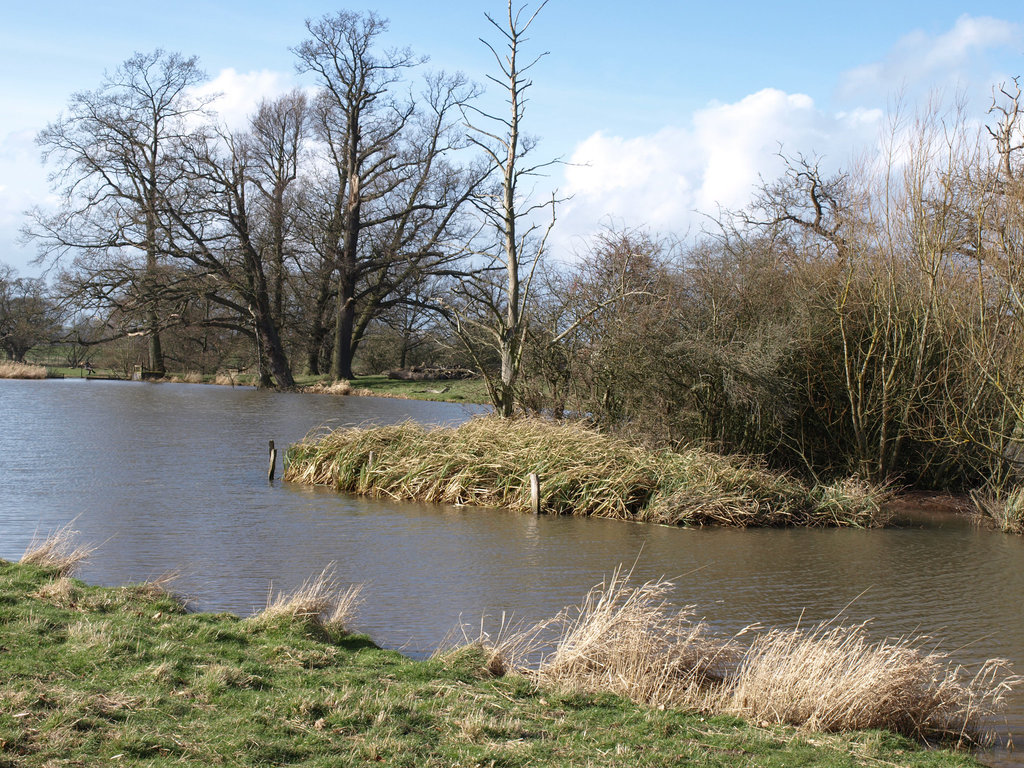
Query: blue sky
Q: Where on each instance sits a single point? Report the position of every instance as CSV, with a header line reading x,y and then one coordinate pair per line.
x,y
667,109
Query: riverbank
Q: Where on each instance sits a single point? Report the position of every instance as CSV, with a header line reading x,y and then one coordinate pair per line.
x,y
451,390
487,462
126,674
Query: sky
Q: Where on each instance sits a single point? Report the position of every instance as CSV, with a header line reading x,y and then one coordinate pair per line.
x,y
663,112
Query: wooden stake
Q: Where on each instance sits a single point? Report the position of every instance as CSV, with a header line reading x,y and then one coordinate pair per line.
x,y
273,461
534,493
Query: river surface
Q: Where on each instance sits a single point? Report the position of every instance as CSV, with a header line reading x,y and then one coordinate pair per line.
x,y
173,477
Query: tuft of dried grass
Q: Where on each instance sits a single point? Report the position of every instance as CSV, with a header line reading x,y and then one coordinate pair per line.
x,y
832,678
62,592
342,387
10,369
57,551
191,377
630,640
487,462
158,588
320,600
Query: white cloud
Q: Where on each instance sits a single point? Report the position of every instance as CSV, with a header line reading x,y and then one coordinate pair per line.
x,y
958,58
670,180
239,93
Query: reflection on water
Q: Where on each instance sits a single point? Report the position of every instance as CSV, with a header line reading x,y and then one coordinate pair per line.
x,y
173,478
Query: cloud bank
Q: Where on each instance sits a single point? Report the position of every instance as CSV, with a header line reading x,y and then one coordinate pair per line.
x,y
673,180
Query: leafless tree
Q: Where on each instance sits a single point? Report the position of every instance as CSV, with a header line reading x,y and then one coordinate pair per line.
x,y
490,312
111,149
389,195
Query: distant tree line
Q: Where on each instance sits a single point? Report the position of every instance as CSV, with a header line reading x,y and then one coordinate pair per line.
x,y
864,321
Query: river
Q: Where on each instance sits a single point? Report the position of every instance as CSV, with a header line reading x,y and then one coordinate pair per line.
x,y
172,477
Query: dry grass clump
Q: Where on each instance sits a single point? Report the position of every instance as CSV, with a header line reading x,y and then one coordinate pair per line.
x,y
319,601
832,678
58,551
341,387
487,462
225,380
9,369
1005,509
631,641
189,377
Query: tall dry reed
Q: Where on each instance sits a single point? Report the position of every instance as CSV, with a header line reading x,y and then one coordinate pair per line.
x,y
487,462
629,640
1005,508
832,678
12,370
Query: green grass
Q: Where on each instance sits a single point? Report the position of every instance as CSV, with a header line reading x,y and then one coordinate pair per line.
x,y
97,676
487,462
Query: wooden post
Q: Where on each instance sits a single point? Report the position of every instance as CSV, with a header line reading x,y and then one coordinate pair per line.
x,y
534,493
273,461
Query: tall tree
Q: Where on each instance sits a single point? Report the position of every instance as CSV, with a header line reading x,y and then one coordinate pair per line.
x,y
226,228
111,148
493,312
390,197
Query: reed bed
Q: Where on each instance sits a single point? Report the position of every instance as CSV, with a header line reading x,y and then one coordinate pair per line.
x,y
12,370
629,640
487,462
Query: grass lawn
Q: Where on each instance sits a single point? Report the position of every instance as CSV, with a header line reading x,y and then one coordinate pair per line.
x,y
98,676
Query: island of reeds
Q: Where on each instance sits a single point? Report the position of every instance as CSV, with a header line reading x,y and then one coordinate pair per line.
x,y
487,462
92,675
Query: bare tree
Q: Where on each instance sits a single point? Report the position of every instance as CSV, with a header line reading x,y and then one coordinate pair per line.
x,y
222,228
111,149
492,311
389,197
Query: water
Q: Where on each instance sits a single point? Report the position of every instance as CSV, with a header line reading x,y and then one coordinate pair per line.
x,y
172,477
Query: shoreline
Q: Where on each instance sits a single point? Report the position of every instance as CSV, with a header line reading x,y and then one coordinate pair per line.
x,y
140,678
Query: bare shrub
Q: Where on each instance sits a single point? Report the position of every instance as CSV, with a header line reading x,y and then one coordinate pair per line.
x,y
57,551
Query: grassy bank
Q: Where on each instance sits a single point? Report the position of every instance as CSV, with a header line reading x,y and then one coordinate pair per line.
x,y
487,462
126,675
